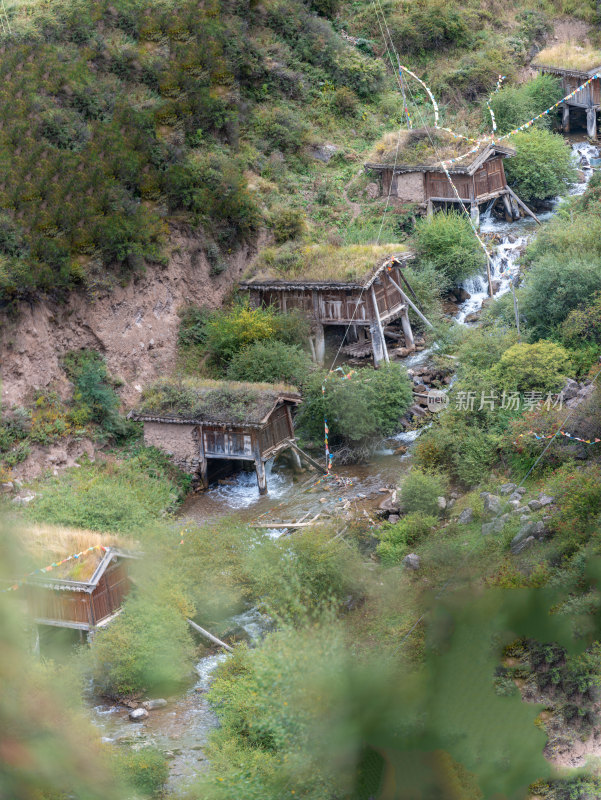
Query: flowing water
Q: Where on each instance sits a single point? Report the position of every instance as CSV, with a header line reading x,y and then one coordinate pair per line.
x,y
181,729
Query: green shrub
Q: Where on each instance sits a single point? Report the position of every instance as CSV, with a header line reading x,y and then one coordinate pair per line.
x,y
554,286
396,539
271,362
230,332
583,324
192,330
147,648
287,223
345,101
542,167
420,492
362,408
280,128
123,497
525,367
513,105
430,25
447,241
145,770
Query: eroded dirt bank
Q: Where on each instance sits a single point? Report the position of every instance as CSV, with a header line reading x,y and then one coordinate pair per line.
x,y
135,327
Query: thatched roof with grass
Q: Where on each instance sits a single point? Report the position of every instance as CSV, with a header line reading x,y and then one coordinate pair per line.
x,y
569,58
195,401
422,150
323,266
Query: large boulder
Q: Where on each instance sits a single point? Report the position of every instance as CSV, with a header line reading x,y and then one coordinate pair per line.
x,y
466,516
545,499
150,705
508,488
138,714
412,561
570,390
523,539
496,526
492,504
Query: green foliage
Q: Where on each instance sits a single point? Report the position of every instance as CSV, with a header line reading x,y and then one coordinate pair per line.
x,y
147,648
123,497
447,241
304,577
395,539
287,223
554,286
228,333
145,770
542,167
578,495
583,324
524,367
361,408
280,128
512,105
420,492
271,362
430,25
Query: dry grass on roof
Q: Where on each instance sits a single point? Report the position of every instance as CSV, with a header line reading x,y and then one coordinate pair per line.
x,y
420,147
569,55
212,401
323,262
48,543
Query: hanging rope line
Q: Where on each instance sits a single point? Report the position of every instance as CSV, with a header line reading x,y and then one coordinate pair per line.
x,y
54,564
553,435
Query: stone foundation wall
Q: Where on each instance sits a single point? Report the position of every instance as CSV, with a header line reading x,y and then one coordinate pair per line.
x,y
178,441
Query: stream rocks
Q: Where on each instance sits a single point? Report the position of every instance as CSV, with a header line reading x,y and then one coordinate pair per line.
x,y
138,714
466,516
411,561
150,705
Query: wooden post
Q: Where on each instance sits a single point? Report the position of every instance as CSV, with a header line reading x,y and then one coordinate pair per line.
x,y
523,205
591,123
261,476
203,463
430,209
507,206
320,344
409,342
378,325
413,306
307,457
475,214
565,118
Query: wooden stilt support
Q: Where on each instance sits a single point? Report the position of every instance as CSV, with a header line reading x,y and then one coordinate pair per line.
x,y
591,123
378,329
209,636
507,206
565,118
409,341
320,344
307,457
523,205
408,301
261,475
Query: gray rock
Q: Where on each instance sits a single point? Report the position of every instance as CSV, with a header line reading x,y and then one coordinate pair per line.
x,y
515,504
393,518
520,490
540,530
492,504
508,488
466,516
534,505
570,390
525,518
496,526
523,545
545,499
522,510
138,714
323,152
515,496
23,499
7,488
441,502
521,536
484,494
150,705
412,561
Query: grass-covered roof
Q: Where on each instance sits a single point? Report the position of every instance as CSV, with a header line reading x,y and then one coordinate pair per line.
x,y
570,57
420,147
226,402
323,263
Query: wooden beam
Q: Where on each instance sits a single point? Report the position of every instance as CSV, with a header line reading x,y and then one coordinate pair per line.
x,y
524,206
307,457
209,636
374,300
413,306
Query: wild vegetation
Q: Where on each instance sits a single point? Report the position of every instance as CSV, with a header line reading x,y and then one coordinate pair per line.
x,y
126,121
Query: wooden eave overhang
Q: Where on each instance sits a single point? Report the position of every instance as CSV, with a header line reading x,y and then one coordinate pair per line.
x,y
302,283
83,586
461,169
570,73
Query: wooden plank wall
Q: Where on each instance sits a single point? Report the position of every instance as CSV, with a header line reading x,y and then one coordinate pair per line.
x,y
277,429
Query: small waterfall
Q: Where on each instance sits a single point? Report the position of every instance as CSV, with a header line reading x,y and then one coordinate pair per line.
x,y
512,238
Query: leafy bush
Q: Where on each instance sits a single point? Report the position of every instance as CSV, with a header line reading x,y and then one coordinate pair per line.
x,y
287,223
145,770
447,241
420,492
554,286
583,324
395,539
359,409
270,362
345,101
430,25
147,648
542,167
123,497
228,333
524,367
280,129
512,105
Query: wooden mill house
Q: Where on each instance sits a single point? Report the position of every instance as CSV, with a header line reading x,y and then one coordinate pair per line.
x,y
575,65
204,425
85,596
409,170
341,287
